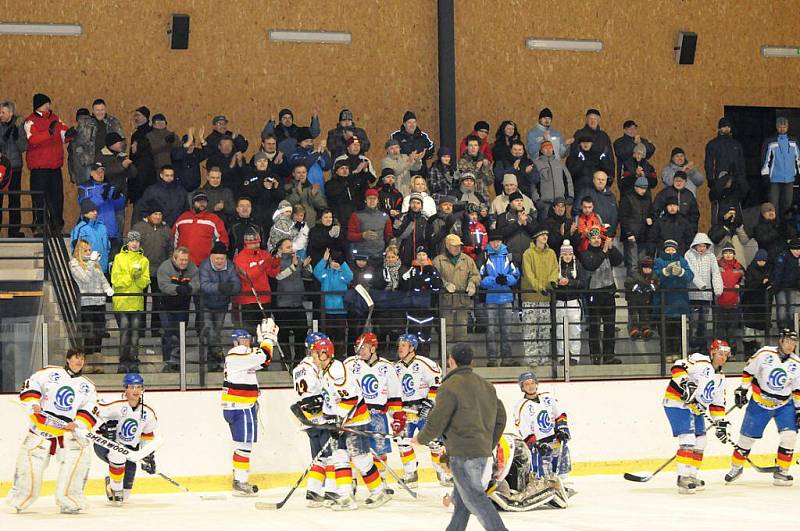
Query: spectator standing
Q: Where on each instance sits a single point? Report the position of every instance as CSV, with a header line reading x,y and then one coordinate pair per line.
x,y
674,280
130,275
727,303
499,275
586,220
599,138
264,191
636,218
334,276
167,194
461,279
686,200
708,286
724,153
410,229
786,282
471,419
605,204
672,225
756,302
467,193
219,126
76,173
91,136
219,281
679,162
517,228
141,154
187,157
327,234
640,287
93,287
585,160
625,146
412,138
557,224
119,169
518,164
474,163
554,179
504,138
539,275
390,199
345,130
420,186
289,310
13,143
92,230
315,159
727,192
572,280
277,161
288,133
544,132
599,260
240,224
230,163
46,135
369,229
161,141
443,174
481,131
108,199
769,233
402,165
198,229
303,192
178,279
360,165
156,244
780,158
635,167
345,191
423,282
444,222
220,198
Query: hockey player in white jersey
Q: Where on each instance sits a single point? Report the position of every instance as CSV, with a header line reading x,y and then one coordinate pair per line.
x,y
542,424
697,385
419,378
380,389
344,407
240,397
131,423
308,385
772,375
63,406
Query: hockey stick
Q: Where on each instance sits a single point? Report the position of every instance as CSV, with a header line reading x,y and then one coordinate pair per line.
x,y
762,469
647,477
400,481
264,315
364,294
204,497
295,409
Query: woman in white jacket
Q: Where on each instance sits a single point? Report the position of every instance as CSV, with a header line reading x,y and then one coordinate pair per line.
x,y
88,275
420,186
707,284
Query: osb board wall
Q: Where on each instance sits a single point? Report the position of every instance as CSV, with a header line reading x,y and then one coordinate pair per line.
x,y
230,67
635,76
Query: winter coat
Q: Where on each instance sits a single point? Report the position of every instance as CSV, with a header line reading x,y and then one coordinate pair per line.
x,y
240,143
554,179
786,272
125,278
237,228
516,237
640,288
161,143
85,143
557,229
694,177
215,195
256,266
535,138
601,143
623,150
527,181
539,272
442,178
498,263
320,238
634,209
389,198
628,175
210,279
672,227
364,220
89,280
577,279
756,296
460,271
13,141
771,236
582,165
475,238
156,243
108,200
483,146
483,175
116,173
345,195
781,159
600,266
580,239
45,151
422,280
438,227
605,206
416,141
726,192
317,164
313,202
687,204
187,165
732,274
265,203
287,136
402,167
410,230
672,303
169,278
464,196
94,232
289,291
198,231
336,143
170,198
333,284
706,271
724,153
286,227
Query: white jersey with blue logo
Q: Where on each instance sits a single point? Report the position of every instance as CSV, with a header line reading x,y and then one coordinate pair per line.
x,y
710,386
380,386
419,379
69,398
134,424
341,395
773,381
536,418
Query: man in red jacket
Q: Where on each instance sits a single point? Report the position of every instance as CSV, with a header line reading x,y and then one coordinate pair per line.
x,y
255,266
198,229
46,135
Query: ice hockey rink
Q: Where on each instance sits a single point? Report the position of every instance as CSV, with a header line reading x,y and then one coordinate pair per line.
x,y
602,503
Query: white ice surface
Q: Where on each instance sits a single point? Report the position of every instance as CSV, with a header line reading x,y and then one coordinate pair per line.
x,y
602,503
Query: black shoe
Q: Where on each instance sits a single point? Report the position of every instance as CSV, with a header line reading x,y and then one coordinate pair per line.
x,y
508,362
492,363
574,361
611,360
595,360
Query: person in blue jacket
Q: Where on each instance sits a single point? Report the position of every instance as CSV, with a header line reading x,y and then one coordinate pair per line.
x,y
92,230
219,281
786,281
499,275
110,203
674,277
316,159
334,276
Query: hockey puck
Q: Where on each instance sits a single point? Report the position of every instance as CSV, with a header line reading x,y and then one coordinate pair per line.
x,y
255,488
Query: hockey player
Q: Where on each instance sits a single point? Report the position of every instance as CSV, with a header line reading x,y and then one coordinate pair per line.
x,y
543,426
380,389
63,406
697,385
773,376
308,385
343,404
419,378
129,422
240,397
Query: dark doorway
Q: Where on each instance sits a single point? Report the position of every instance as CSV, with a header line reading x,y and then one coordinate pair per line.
x,y
751,125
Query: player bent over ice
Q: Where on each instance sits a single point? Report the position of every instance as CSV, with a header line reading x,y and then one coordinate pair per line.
x,y
697,385
543,426
240,397
773,376
343,406
380,389
129,422
63,406
419,378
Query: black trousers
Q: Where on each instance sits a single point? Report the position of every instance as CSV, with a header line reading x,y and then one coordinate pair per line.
x,y
14,185
602,310
50,182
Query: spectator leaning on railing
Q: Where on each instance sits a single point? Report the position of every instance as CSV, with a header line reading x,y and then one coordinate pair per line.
x,y
130,274
88,274
539,276
178,279
708,284
255,267
461,279
334,276
499,275
218,283
674,278
290,313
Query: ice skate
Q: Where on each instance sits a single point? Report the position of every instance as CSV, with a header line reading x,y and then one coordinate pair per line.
x,y
733,474
330,499
243,488
411,480
699,484
114,497
314,500
686,485
376,500
781,478
70,510
345,503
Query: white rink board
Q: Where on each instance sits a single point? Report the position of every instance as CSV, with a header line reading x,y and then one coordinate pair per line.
x,y
610,421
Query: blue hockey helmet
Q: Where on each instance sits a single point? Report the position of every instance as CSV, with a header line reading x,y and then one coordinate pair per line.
x,y
525,376
411,339
241,333
313,337
132,378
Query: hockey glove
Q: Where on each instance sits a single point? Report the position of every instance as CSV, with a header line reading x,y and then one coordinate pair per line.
x,y
562,434
312,404
149,464
501,280
267,331
542,448
108,430
424,408
399,419
722,431
687,390
740,397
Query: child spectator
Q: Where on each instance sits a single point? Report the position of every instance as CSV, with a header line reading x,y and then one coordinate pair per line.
x,y
728,316
756,302
640,287
674,279
572,279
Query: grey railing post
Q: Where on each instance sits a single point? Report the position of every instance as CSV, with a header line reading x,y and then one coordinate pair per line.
x,y
443,344
315,325
565,324
796,324
684,336
182,332
45,345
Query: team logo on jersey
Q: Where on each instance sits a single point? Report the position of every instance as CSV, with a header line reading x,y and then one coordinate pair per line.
x,y
407,385
123,410
369,386
708,392
544,422
128,430
383,370
777,378
415,367
65,396
54,377
85,388
768,360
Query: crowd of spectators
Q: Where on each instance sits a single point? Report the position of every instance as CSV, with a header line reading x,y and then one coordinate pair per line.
x,y
488,234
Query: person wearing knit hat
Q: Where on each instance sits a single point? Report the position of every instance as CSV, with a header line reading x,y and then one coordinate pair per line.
x,y
345,129
571,280
724,153
461,280
40,100
92,230
675,278
412,139
640,286
543,131
539,274
756,307
679,162
727,314
481,132
781,164
401,164
566,248
625,148
499,276
87,206
601,143
687,201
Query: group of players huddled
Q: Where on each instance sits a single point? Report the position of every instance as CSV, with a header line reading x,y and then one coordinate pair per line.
x,y
352,410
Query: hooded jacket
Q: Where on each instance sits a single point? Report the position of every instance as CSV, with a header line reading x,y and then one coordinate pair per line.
x,y
89,280
539,273
732,274
781,159
496,263
126,278
317,164
94,232
45,151
599,266
334,283
706,271
312,202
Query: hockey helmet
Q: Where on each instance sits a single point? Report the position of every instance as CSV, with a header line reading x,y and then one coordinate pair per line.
x,y
788,333
311,337
132,378
411,339
525,376
323,345
240,334
367,338
720,344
